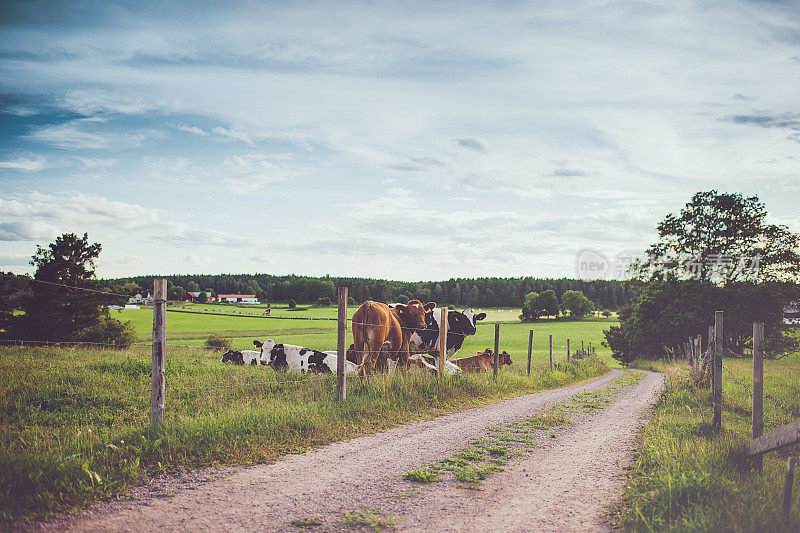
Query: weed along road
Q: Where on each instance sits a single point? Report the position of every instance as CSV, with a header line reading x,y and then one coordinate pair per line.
x,y
547,461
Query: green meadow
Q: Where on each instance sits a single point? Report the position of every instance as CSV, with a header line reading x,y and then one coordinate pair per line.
x,y
190,325
688,478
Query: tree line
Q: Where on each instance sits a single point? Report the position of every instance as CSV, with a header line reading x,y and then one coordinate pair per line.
x,y
459,292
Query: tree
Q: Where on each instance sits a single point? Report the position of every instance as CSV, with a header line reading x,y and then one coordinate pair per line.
x,y
202,298
548,303
606,313
176,293
65,302
578,305
192,286
530,308
722,237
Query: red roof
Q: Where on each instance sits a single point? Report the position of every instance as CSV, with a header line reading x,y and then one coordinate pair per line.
x,y
237,296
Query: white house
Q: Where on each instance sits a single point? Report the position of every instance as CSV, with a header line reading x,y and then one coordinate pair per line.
x,y
239,298
791,314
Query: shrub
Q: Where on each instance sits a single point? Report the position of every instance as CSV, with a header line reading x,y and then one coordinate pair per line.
x,y
216,341
108,330
292,304
324,301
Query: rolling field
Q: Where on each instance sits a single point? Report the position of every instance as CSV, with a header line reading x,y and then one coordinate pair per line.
x,y
192,328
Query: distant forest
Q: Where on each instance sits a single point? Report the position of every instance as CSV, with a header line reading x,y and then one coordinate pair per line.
x,y
478,292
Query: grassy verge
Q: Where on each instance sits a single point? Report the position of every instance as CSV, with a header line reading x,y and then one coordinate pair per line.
x,y
74,422
686,478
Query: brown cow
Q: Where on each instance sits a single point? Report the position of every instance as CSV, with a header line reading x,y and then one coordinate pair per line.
x,y
482,362
375,323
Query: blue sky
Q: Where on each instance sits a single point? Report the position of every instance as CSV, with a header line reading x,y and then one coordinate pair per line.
x,y
396,140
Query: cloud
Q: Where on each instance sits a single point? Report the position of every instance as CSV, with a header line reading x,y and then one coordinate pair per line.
x,y
89,102
766,120
88,134
245,174
195,260
474,143
234,134
417,163
22,230
193,129
568,172
15,260
25,164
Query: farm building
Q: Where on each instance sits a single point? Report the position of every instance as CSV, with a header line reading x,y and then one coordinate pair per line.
x,y
139,299
239,298
791,314
192,296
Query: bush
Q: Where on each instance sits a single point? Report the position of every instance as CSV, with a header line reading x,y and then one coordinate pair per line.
x,y
292,304
324,301
606,313
215,341
108,331
351,301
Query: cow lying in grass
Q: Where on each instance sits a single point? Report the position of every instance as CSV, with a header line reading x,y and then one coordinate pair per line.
x,y
242,357
385,364
482,362
299,359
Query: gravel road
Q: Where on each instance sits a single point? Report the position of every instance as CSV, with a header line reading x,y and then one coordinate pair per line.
x,y
562,485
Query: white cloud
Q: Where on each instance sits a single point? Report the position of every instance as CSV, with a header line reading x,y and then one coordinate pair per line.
x,y
233,133
245,174
14,260
25,164
193,129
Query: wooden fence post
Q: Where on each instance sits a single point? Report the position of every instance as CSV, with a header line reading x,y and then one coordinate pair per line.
x,y
581,347
567,350
442,341
341,346
530,350
787,486
717,388
758,386
551,351
158,369
496,349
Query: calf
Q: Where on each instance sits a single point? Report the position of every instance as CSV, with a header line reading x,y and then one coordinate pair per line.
x,y
243,357
299,358
376,323
460,324
482,362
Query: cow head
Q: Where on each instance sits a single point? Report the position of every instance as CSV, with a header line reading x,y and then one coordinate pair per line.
x,y
233,357
473,317
504,359
266,350
412,315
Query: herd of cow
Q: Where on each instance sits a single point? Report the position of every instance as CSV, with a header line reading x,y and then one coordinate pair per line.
x,y
384,336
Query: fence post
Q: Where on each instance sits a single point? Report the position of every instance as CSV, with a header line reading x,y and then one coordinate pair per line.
x,y
158,368
442,341
758,386
341,346
717,388
530,350
496,349
551,351
581,347
787,486
567,350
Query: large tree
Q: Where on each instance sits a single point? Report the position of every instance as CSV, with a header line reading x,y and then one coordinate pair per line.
x,y
577,304
65,301
722,237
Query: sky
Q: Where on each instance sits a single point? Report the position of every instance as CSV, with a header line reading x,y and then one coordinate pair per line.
x,y
400,140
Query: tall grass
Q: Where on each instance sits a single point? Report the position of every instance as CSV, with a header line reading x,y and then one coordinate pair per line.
x,y
75,421
688,478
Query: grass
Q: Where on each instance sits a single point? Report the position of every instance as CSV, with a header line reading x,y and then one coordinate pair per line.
x,y
242,329
74,421
688,478
365,516
488,454
306,522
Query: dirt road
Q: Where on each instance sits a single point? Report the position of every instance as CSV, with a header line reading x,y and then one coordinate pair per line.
x,y
563,484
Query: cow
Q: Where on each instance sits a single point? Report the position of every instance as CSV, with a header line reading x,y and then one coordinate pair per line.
x,y
385,364
242,357
375,323
299,359
460,324
482,362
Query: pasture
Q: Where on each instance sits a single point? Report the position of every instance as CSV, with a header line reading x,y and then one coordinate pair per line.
x,y
192,328
686,478
75,423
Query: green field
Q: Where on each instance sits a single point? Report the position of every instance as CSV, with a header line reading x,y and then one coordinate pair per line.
x,y
74,424
687,478
192,328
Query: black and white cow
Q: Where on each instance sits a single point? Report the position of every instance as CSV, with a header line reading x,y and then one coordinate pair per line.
x,y
460,324
242,357
299,358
